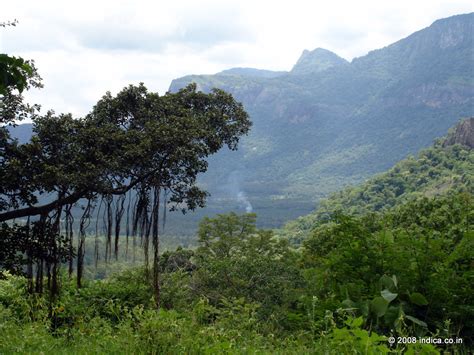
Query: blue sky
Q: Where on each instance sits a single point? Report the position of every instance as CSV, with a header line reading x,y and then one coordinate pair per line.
x,y
82,49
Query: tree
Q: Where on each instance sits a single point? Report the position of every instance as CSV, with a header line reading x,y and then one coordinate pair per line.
x,y
132,153
235,259
16,72
18,242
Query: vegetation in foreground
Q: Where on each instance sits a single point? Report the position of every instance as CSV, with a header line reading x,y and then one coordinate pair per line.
x,y
354,283
375,282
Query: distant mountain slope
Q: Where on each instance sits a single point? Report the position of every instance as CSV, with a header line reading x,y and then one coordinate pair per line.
x,y
22,132
329,123
446,167
251,72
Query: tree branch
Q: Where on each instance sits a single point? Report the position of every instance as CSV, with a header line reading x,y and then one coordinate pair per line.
x,y
40,210
74,197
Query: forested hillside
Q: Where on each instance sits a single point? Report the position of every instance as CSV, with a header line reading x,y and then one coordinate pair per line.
x,y
329,123
405,273
444,168
355,282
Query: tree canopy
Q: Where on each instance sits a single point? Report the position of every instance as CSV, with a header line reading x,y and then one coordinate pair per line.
x,y
136,140
135,148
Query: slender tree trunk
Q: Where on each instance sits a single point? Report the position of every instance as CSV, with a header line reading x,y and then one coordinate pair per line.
x,y
119,210
84,223
39,277
70,239
156,247
29,255
54,265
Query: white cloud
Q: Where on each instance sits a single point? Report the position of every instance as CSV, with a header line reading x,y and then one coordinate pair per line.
x,y
83,49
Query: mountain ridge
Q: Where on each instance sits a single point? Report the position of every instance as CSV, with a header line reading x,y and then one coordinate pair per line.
x,y
252,72
320,131
317,132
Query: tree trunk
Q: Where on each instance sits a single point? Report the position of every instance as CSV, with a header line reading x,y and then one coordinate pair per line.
x,y
156,246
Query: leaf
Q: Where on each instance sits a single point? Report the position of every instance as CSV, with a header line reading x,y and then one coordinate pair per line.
x,y
416,321
395,281
355,322
347,303
388,282
379,306
363,307
418,299
388,296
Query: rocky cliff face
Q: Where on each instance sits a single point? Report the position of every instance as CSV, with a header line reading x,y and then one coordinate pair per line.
x,y
462,134
328,123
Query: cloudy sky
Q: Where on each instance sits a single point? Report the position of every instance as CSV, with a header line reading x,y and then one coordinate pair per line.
x,y
82,49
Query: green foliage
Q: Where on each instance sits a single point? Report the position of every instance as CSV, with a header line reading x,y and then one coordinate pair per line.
x,y
32,243
436,171
350,259
15,302
353,339
15,73
233,327
234,259
393,257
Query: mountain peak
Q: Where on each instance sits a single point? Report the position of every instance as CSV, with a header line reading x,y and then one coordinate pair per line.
x,y
462,133
316,61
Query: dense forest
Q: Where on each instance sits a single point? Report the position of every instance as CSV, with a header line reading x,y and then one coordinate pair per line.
x,y
384,267
354,282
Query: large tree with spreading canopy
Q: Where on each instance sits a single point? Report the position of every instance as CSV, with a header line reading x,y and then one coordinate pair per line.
x,y
132,154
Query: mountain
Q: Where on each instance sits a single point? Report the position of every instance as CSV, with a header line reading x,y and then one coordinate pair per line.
x,y
445,168
21,132
316,61
251,72
329,123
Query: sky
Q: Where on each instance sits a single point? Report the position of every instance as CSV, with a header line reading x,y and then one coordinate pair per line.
x,y
83,49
